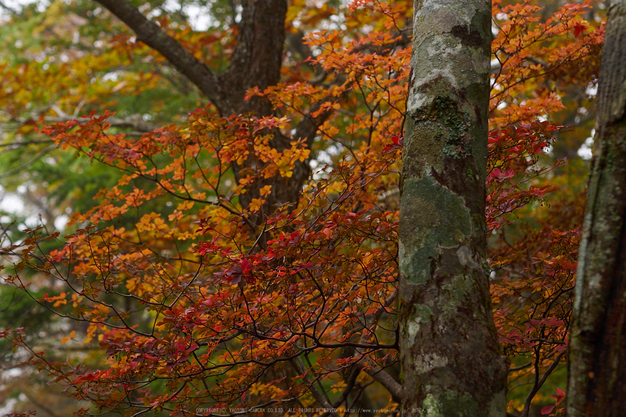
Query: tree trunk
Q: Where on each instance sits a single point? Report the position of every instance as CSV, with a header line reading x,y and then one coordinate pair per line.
x,y
597,367
451,362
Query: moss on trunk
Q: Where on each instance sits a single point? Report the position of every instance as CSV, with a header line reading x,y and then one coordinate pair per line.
x,y
451,362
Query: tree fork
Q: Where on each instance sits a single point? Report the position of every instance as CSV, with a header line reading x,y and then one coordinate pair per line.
x,y
256,61
451,360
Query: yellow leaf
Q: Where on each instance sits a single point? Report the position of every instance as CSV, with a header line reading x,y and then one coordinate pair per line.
x,y
266,190
67,338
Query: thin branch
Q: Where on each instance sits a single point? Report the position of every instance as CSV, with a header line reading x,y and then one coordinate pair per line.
x,y
39,155
540,381
7,8
26,143
386,380
135,122
301,368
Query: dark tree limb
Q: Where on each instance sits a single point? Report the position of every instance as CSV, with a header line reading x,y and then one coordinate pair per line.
x,y
386,380
134,122
152,35
539,381
7,8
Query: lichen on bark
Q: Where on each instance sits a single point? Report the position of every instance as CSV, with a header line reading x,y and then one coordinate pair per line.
x,y
428,229
451,362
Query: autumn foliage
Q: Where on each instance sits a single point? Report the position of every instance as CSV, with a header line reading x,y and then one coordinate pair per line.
x,y
201,296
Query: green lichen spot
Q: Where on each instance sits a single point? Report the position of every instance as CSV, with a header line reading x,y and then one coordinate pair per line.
x,y
431,217
430,407
420,314
458,290
450,404
453,125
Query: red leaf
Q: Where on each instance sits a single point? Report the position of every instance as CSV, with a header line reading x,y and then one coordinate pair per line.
x,y
578,29
547,409
397,141
560,395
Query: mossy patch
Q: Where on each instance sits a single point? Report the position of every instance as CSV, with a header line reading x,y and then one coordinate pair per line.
x,y
432,218
450,404
453,125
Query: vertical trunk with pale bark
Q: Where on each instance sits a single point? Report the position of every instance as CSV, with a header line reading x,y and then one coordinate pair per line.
x,y
451,362
597,367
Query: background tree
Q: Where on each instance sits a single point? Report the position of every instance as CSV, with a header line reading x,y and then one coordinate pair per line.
x,y
597,343
545,72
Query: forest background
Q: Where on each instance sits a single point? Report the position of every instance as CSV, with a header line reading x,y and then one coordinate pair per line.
x,y
162,257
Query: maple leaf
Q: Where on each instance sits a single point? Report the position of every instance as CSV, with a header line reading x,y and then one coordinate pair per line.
x,y
579,28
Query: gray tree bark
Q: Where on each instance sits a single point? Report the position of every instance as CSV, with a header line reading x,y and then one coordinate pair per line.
x,y
597,353
451,361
